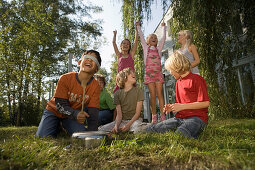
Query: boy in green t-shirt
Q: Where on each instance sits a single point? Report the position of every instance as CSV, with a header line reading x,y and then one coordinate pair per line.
x,y
107,108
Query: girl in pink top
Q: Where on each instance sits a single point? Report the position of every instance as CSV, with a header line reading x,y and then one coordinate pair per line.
x,y
126,54
153,76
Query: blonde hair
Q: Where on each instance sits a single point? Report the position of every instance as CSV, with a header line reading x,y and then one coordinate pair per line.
x,y
178,62
122,77
148,37
189,37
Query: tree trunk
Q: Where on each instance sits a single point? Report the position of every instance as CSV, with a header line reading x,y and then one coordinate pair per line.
x,y
9,99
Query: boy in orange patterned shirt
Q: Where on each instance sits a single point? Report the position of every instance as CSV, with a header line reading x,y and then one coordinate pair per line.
x,y
65,106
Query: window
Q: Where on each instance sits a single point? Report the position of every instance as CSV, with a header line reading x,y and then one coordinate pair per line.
x,y
163,58
246,83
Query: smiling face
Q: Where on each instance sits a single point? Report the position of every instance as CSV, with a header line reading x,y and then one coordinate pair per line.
x,y
131,78
152,40
87,65
181,38
125,45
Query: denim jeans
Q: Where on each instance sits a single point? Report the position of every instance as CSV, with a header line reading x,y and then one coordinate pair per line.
x,y
189,127
105,116
49,125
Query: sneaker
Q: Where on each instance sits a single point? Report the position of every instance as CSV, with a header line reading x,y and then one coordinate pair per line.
x,y
162,117
154,119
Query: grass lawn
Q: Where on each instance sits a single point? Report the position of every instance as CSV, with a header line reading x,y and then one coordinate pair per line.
x,y
225,144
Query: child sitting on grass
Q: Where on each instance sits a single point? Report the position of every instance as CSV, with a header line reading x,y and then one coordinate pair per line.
x,y
66,104
129,103
192,100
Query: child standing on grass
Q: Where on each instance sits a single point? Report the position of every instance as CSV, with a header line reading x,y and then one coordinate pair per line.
x,y
126,55
65,106
153,76
189,49
129,103
192,100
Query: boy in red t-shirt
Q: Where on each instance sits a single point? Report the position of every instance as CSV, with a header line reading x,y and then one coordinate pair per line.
x,y
65,106
192,100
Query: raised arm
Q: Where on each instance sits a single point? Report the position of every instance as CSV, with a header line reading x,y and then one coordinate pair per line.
x,y
133,51
117,52
163,39
193,50
140,33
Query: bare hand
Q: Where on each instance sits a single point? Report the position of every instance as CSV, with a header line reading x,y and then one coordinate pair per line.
x,y
81,117
177,107
114,32
125,128
137,23
163,24
167,108
115,129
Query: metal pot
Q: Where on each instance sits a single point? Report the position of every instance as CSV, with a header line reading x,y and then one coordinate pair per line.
x,y
89,139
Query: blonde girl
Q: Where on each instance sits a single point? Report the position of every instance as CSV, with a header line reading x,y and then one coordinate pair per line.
x,y
189,49
153,76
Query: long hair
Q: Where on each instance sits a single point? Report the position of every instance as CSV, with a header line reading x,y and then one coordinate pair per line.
x,y
129,44
189,37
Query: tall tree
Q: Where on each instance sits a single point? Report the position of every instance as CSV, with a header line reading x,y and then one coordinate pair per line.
x,y
35,38
218,32
223,32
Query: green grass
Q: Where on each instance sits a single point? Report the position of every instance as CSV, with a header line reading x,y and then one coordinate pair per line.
x,y
225,144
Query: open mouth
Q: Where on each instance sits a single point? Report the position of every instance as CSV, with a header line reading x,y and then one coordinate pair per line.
x,y
86,65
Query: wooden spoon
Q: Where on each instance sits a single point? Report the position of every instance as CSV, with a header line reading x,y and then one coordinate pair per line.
x,y
84,85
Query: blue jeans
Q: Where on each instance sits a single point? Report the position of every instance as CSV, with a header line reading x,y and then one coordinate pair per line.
x,y
190,127
105,116
49,125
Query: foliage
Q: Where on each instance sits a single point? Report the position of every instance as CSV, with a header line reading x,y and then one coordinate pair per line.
x,y
223,31
104,72
217,29
225,144
36,37
112,82
133,11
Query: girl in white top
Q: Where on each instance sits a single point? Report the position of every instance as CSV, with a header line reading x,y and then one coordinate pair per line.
x,y
189,49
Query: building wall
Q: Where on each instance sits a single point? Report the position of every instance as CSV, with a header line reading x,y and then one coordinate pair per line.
x,y
169,85
245,70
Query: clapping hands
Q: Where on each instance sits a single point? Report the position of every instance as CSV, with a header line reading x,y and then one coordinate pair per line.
x,y
173,107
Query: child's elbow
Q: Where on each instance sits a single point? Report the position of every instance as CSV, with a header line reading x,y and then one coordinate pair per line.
x,y
207,103
197,61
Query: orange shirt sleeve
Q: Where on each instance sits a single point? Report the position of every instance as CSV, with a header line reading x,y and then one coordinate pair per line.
x,y
62,88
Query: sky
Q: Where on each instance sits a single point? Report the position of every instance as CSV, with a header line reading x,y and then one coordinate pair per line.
x,y
112,20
